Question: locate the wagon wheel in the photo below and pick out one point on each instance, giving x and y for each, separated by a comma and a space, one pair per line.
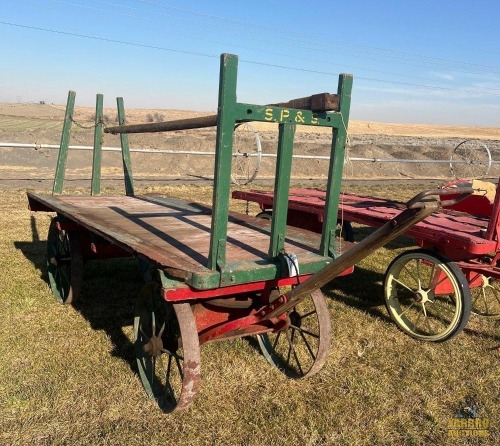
265, 215
427, 295
300, 350
470, 159
64, 263
345, 230
167, 349
247, 153
486, 298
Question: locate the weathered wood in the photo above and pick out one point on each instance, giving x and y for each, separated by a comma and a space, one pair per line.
317, 102
171, 233
169, 126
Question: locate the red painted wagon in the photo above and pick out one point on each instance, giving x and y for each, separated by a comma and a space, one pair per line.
450, 240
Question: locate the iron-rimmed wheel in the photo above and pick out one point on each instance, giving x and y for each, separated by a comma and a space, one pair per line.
64, 263
486, 297
166, 348
301, 349
265, 215
427, 295
346, 231
344, 228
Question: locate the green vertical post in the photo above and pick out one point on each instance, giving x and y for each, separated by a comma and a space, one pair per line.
223, 157
57, 187
98, 131
281, 188
127, 162
335, 169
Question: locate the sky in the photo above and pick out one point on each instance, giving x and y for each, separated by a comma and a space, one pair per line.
413, 61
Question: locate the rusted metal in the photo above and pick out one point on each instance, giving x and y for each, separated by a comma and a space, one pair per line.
192, 366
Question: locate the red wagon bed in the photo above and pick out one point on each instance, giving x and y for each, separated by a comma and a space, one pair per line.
458, 234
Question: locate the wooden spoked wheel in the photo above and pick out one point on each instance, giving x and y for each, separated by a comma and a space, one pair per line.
167, 349
300, 350
427, 296
486, 298
64, 263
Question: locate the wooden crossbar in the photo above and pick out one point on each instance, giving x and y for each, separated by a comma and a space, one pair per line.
318, 102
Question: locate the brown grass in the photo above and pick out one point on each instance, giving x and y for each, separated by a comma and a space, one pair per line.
68, 374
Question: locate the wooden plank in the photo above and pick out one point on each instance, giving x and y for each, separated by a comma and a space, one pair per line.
317, 102
169, 236
445, 228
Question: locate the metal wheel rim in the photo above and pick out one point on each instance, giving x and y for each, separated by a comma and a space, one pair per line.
465, 154
172, 377
437, 319
64, 264
295, 351
242, 174
485, 299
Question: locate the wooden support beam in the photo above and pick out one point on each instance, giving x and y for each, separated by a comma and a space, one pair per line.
317, 102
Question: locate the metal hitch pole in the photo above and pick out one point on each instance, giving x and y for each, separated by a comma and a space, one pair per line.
417, 210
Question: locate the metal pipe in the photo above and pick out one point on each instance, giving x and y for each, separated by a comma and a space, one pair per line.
268, 155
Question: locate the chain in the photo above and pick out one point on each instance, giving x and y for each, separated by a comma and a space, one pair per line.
86, 127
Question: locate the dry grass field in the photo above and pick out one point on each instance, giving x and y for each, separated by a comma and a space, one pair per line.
68, 374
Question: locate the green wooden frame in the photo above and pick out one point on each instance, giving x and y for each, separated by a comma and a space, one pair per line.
230, 113
221, 271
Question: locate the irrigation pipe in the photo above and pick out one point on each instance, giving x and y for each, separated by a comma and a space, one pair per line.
268, 155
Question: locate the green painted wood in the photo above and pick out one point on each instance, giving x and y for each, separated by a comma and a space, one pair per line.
223, 158
281, 189
98, 132
335, 168
245, 272
57, 187
126, 160
267, 113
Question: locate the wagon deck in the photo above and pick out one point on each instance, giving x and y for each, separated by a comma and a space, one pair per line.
175, 235
457, 233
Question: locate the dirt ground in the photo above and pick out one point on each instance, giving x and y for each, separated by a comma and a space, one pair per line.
417, 144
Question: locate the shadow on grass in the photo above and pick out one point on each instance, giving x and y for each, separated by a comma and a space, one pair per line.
363, 290
108, 295
403, 241
35, 251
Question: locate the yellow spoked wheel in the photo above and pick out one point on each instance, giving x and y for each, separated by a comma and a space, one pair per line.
427, 295
486, 298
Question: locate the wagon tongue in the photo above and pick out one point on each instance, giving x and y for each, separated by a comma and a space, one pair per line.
417, 210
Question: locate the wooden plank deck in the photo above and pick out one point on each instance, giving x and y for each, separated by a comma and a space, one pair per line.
453, 230
172, 233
